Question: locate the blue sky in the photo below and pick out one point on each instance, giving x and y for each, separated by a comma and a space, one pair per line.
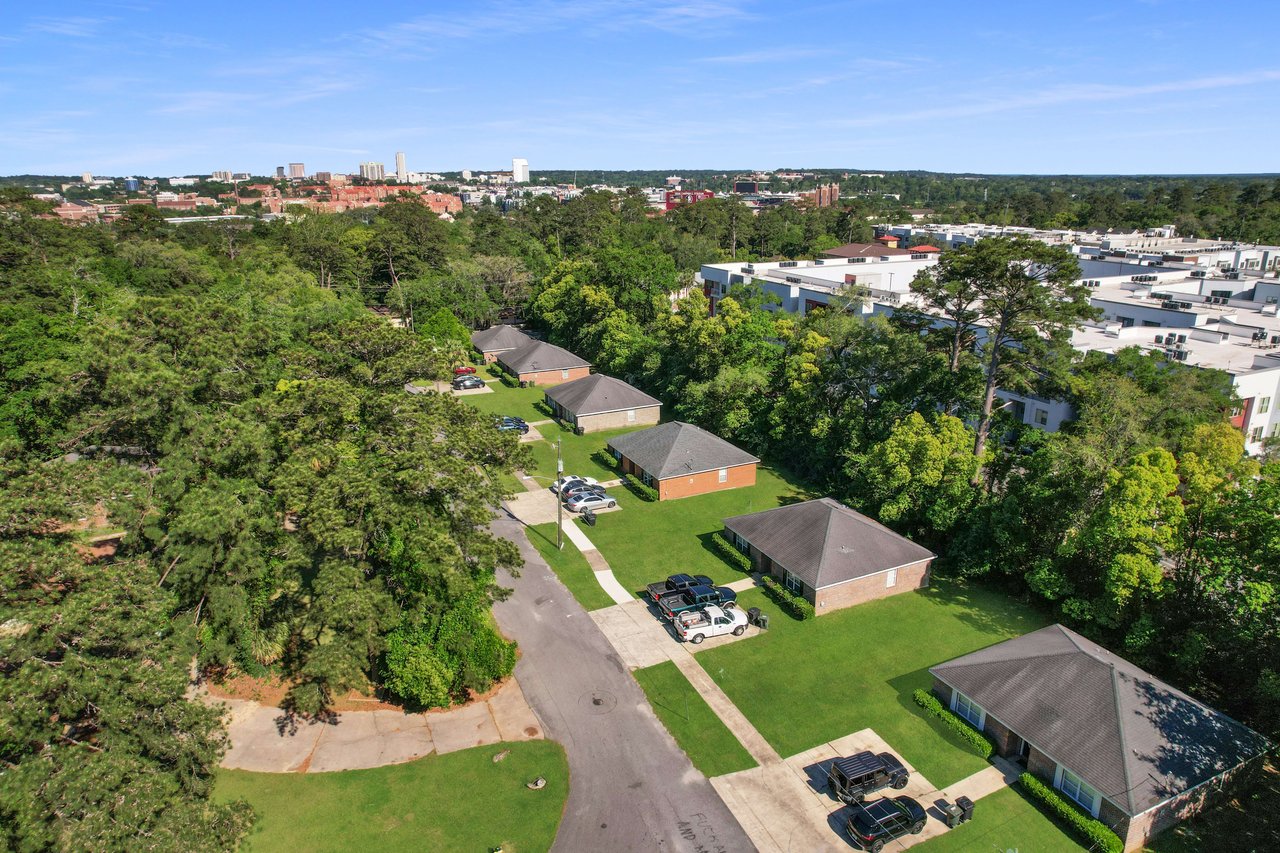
184, 86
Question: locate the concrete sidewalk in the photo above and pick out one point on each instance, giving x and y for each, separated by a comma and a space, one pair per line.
262, 740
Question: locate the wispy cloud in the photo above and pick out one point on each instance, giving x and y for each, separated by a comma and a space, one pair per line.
1077, 93
759, 56
72, 27
223, 101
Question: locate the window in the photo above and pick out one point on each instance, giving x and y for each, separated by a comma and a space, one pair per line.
792, 583
1151, 323
564, 374
1075, 788
723, 476
1255, 434
1042, 417
1125, 322
1264, 405
967, 708
891, 578
631, 416
645, 478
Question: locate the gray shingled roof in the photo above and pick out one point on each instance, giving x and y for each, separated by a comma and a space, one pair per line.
823, 542
540, 355
678, 449
1134, 738
597, 394
499, 339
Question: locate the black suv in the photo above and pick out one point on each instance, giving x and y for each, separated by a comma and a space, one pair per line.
850, 779
874, 824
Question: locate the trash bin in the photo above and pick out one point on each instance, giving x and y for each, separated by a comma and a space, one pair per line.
589, 517
763, 621
966, 808
952, 815
579, 431
753, 615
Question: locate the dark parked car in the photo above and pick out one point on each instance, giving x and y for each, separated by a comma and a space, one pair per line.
874, 824
695, 597
568, 493
512, 425
466, 383
464, 370
850, 779
676, 583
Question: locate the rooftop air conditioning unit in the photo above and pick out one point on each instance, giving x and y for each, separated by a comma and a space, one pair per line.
1159, 339
789, 264
1199, 274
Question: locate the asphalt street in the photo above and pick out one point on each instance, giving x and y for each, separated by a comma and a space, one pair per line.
632, 788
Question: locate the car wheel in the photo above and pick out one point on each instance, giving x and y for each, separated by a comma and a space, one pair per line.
740, 630
917, 827
729, 605
696, 639
899, 782
612, 504
877, 845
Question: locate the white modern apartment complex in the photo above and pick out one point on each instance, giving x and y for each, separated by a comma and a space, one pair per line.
373, 171
519, 170
1202, 316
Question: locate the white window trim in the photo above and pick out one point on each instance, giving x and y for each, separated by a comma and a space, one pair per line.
789, 576
722, 476
1093, 807
891, 578
956, 695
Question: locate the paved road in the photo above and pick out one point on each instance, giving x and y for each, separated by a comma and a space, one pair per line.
632, 788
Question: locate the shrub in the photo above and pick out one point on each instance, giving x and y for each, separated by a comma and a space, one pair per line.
639, 489
957, 724
794, 605
732, 555
1089, 830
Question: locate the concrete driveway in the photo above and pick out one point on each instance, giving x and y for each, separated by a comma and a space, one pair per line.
633, 788
643, 638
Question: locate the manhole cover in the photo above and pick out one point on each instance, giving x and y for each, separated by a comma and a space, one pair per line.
598, 701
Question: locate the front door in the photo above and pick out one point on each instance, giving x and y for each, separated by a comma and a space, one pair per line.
1024, 751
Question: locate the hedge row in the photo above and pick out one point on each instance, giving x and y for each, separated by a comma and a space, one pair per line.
957, 724
732, 555
790, 602
1092, 832
639, 489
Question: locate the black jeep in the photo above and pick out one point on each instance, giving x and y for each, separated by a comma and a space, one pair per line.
874, 824
850, 779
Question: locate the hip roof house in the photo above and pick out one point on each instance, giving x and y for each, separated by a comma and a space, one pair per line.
681, 460
828, 553
1131, 750
598, 402
541, 363
494, 340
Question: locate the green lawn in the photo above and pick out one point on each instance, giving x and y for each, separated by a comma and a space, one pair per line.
708, 742
459, 801
570, 566
584, 455
1005, 820
648, 541
517, 402
804, 683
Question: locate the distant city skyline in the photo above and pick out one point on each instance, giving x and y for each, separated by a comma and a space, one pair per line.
142, 87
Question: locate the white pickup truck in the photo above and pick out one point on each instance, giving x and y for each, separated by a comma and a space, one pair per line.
694, 626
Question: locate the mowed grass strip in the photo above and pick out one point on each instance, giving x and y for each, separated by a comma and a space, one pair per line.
704, 738
649, 540
459, 801
584, 455
1005, 820
805, 683
570, 566
511, 401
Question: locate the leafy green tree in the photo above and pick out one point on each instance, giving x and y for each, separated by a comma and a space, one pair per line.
918, 480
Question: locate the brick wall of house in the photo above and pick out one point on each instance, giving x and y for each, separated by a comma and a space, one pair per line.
1142, 828
942, 691
840, 596
647, 416
1041, 765
707, 481
554, 377
1001, 737
490, 357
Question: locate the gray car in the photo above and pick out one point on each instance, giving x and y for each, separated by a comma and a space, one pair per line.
590, 500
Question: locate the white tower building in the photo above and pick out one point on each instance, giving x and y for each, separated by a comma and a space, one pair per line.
402, 171
520, 170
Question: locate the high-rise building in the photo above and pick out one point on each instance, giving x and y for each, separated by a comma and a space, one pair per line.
131, 185
373, 171
221, 176
466, 174
86, 178
280, 172
519, 170
402, 171
297, 171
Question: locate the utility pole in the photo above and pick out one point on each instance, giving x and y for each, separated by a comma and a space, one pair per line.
559, 497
